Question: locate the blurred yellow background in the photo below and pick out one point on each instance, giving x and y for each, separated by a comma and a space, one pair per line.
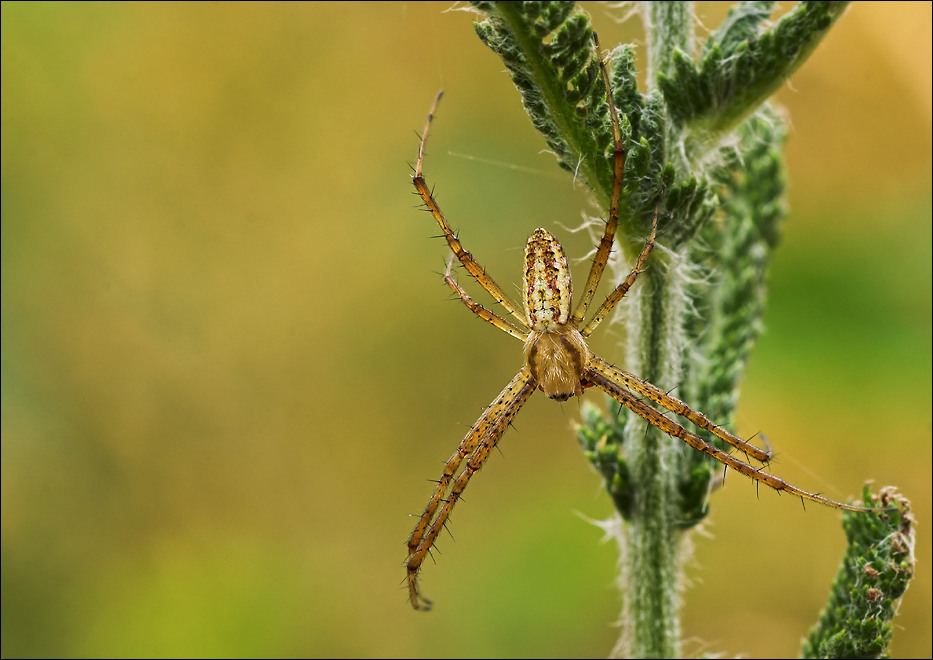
230, 368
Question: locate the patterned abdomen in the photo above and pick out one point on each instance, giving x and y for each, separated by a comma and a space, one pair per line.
546, 283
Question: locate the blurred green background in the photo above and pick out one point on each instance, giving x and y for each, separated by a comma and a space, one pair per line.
230, 368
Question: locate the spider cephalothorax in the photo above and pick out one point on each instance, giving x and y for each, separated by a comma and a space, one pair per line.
557, 360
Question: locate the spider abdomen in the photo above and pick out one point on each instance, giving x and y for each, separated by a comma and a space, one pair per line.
546, 279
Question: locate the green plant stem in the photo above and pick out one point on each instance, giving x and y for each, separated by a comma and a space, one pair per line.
650, 571
670, 25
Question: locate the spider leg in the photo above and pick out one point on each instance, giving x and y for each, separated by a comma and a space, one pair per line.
675, 405
674, 429
465, 257
601, 257
479, 310
623, 288
467, 445
477, 444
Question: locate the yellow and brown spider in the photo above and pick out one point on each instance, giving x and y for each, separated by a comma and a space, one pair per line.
557, 360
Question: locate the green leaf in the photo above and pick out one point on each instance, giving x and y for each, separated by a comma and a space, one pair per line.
742, 64
873, 575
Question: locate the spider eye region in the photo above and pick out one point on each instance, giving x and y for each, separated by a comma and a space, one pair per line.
546, 286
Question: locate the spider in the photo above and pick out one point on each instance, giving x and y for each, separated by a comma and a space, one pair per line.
557, 360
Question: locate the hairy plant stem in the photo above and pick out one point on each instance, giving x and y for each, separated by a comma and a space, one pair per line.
649, 568
670, 26
650, 564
